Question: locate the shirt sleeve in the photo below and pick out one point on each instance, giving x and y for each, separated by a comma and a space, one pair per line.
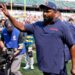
29, 27
72, 28
68, 37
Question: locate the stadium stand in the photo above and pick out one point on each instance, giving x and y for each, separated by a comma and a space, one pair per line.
61, 4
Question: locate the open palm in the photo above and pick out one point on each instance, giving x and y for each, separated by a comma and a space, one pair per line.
4, 9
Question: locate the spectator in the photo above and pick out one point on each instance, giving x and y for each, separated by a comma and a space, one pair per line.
13, 41
29, 40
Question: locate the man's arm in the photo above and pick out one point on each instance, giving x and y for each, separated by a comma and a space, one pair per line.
17, 24
72, 50
20, 42
70, 41
2, 43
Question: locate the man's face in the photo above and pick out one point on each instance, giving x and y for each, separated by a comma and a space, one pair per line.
48, 15
9, 28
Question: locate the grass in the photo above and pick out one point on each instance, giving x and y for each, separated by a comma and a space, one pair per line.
36, 71
68, 68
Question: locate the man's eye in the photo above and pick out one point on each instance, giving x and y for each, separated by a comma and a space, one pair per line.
45, 11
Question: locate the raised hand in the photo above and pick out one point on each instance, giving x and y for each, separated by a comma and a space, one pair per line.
3, 8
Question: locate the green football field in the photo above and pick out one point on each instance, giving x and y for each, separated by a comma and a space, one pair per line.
36, 71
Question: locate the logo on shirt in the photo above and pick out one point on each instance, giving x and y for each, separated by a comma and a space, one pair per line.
5, 33
55, 29
14, 37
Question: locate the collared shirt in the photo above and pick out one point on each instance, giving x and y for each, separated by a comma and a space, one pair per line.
50, 40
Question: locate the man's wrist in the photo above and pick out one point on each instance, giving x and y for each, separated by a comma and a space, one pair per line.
4, 48
8, 16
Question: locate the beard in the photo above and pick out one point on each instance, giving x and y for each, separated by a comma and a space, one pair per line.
48, 20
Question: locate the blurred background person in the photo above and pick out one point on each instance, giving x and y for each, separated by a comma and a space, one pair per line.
13, 41
29, 59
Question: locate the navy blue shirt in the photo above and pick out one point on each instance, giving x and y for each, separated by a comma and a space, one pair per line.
50, 40
72, 28
66, 50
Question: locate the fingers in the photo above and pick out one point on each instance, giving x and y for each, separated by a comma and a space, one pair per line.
3, 6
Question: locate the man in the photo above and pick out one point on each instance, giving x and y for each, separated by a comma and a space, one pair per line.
13, 41
50, 36
29, 59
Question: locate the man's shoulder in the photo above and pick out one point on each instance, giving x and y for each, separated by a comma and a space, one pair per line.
3, 30
59, 22
38, 23
16, 30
